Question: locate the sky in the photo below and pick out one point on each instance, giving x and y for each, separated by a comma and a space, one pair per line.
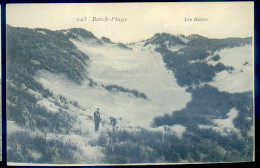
140, 20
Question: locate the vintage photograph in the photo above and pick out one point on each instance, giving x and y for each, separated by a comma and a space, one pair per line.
130, 83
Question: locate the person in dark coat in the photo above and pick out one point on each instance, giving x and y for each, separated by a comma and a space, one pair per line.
97, 119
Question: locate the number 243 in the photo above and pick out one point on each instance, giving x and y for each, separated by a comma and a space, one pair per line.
82, 19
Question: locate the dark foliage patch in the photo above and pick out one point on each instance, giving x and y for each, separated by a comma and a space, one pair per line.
29, 51
207, 104
161, 39
116, 88
145, 146
22, 147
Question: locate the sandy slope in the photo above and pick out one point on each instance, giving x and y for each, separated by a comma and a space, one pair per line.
139, 69
241, 79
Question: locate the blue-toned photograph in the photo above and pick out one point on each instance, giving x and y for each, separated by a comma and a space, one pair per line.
130, 83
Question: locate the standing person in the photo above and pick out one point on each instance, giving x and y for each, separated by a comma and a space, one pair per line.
97, 119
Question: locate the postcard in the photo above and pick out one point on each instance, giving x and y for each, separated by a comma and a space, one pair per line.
130, 83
